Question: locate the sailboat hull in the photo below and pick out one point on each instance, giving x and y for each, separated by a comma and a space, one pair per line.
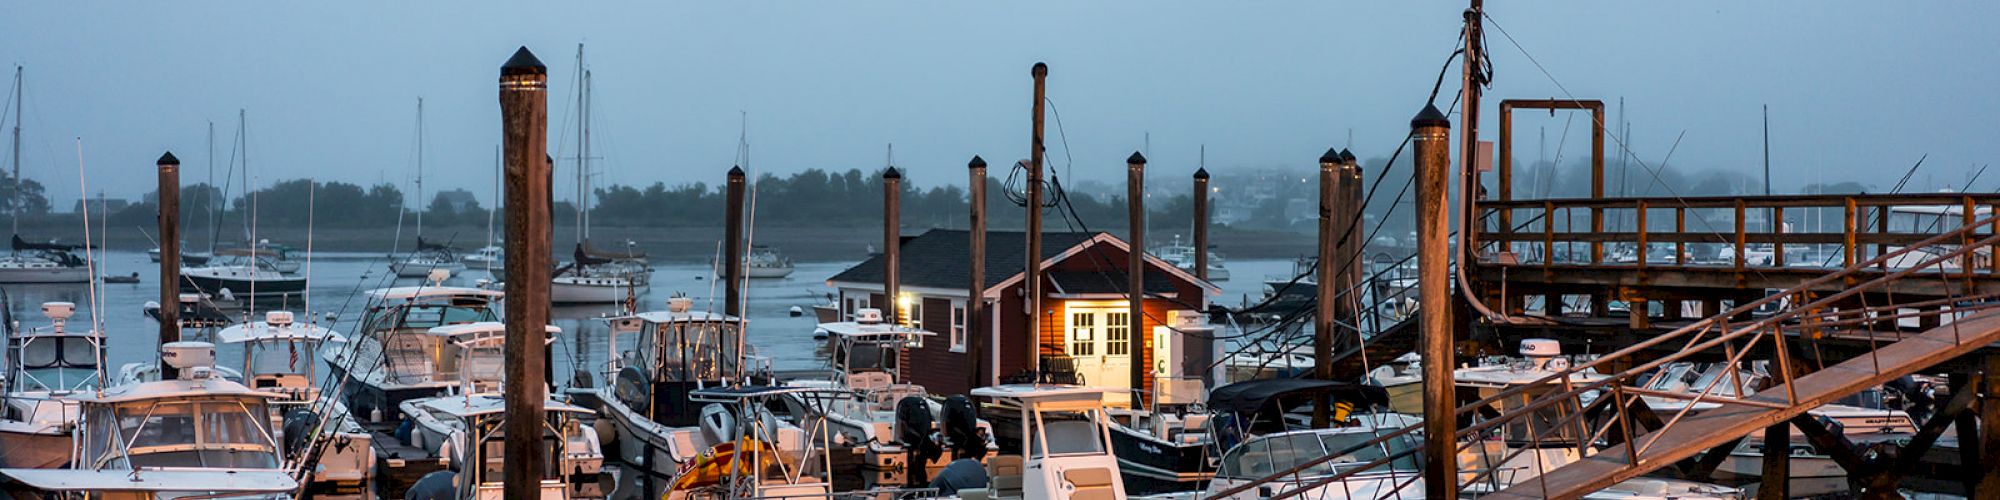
272, 288
422, 269
593, 290
44, 275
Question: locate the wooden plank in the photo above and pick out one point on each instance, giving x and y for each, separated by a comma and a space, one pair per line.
1709, 429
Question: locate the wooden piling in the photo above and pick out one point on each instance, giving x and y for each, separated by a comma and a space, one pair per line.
892, 236
524, 115
1433, 159
1033, 285
170, 259
732, 244
1201, 223
1989, 430
975, 288
1775, 482
1135, 274
1324, 275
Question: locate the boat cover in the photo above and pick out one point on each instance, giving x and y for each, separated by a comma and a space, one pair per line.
1254, 396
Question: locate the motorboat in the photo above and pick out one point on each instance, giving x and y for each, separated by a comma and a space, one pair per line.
1354, 444
244, 273
488, 258
1182, 454
1182, 256
43, 263
393, 359
763, 262
865, 358
1715, 383
595, 277
646, 410
48, 367
466, 426
1067, 454
761, 444
187, 258
195, 436
428, 257
278, 358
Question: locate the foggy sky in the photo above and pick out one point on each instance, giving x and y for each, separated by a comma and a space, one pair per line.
1857, 90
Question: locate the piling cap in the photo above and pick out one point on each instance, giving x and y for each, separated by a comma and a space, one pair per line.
169, 159
1430, 117
976, 162
1331, 157
1201, 173
1135, 159
891, 173
1040, 69
1346, 156
523, 63
736, 171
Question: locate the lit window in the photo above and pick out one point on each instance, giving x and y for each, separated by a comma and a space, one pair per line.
958, 313
912, 311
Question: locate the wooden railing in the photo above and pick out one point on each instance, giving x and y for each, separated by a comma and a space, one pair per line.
1738, 232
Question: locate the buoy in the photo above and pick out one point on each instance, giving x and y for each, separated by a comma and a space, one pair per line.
798, 311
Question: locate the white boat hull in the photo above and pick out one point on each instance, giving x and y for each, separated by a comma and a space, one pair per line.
768, 272
44, 275
592, 290
407, 269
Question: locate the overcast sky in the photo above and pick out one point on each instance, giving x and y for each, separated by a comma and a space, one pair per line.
1857, 90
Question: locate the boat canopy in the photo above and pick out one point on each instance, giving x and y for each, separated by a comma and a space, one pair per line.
249, 332
23, 245
405, 293
1268, 399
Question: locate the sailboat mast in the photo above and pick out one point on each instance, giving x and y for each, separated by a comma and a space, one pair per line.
211, 185
580, 107
420, 168
15, 212
243, 148
584, 200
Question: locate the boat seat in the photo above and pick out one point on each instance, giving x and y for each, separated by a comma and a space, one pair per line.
681, 443
868, 381
1004, 472
1092, 483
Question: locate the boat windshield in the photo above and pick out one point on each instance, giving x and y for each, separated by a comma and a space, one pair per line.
1265, 456
56, 364
866, 357
217, 433
691, 350
279, 357
428, 316
1067, 433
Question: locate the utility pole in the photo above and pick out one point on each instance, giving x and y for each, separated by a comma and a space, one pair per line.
524, 128
1135, 274
1034, 272
170, 258
975, 301
1432, 137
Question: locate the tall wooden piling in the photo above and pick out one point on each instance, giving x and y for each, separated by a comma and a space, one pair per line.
1353, 242
975, 288
1034, 195
1473, 84
1433, 151
732, 244
1324, 276
892, 242
1135, 274
170, 258
524, 117
1201, 223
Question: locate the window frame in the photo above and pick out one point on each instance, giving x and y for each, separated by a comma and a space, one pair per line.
957, 329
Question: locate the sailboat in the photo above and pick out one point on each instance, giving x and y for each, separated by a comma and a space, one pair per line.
430, 256
255, 272
594, 275
48, 262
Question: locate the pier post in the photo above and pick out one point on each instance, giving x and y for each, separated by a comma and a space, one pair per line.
1033, 281
1351, 244
892, 236
1989, 430
1201, 223
1433, 159
170, 259
1135, 275
732, 244
524, 116
975, 288
1330, 208
1775, 482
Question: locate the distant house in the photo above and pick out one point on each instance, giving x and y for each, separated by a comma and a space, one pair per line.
108, 205
458, 199
1084, 319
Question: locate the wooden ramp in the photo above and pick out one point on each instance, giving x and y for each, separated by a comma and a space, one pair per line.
1713, 428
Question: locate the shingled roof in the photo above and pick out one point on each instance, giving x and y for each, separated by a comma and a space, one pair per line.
937, 258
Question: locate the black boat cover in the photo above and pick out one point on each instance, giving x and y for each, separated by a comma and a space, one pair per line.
20, 245
1254, 396
437, 247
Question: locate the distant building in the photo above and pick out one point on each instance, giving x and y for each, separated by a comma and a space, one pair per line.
108, 205
458, 199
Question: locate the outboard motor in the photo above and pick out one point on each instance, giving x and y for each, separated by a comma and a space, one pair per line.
913, 430
437, 485
961, 428
717, 425
298, 427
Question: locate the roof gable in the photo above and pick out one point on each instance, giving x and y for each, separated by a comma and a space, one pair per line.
938, 259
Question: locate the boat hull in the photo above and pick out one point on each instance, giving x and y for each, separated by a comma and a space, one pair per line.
264, 288
592, 291
44, 275
366, 399
33, 448
405, 269
1150, 465
767, 272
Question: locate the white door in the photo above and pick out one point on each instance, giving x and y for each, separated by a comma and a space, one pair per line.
1099, 340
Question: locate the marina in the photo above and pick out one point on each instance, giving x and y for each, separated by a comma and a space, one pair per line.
639, 322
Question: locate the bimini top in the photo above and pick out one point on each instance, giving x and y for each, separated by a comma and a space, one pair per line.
684, 317
480, 328
169, 389
873, 331
1042, 391
487, 404
425, 292
732, 394
246, 332
176, 480
45, 331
